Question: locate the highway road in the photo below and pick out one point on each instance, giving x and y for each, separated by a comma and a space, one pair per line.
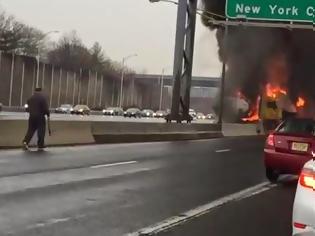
23, 115
117, 190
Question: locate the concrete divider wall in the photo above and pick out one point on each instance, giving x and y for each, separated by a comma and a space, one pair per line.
231, 130
87, 132
63, 133
112, 132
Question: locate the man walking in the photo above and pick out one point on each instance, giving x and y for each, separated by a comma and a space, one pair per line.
38, 109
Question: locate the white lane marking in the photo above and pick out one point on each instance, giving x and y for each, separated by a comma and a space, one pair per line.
51, 222
223, 150
114, 164
199, 211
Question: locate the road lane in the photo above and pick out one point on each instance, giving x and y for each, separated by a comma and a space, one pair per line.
167, 179
269, 213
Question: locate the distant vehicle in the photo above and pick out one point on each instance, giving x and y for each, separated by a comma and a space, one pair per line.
160, 114
200, 116
180, 118
303, 210
193, 113
81, 110
133, 112
212, 118
1, 106
289, 147
64, 109
26, 107
147, 113
113, 111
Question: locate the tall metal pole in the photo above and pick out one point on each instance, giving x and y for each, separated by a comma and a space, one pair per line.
88, 89
178, 56
101, 91
79, 86
52, 85
67, 85
95, 90
38, 54
189, 55
222, 92
59, 89
22, 85
34, 77
161, 92
74, 87
43, 78
0, 60
11, 79
38, 65
122, 83
113, 94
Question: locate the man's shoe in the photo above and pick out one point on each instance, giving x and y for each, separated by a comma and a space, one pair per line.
25, 146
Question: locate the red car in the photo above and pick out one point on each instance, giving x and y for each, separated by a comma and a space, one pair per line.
289, 147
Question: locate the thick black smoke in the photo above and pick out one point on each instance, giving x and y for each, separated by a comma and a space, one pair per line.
248, 52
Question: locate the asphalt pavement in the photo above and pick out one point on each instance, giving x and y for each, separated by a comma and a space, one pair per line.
119, 189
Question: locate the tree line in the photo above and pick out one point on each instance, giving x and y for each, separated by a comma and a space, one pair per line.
69, 52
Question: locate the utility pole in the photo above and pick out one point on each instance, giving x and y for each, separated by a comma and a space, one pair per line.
183, 55
161, 91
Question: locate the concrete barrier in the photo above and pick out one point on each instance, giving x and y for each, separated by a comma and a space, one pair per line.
230, 130
63, 133
114, 132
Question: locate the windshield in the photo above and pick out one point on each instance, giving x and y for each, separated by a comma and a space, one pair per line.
66, 106
80, 107
297, 126
132, 110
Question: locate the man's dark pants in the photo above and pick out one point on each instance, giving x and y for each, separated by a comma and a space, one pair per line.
36, 124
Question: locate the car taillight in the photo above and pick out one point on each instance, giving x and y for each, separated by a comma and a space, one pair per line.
307, 179
270, 140
299, 225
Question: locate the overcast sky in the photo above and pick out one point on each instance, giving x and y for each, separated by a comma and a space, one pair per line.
122, 27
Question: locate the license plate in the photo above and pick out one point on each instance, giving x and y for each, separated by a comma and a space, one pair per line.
300, 147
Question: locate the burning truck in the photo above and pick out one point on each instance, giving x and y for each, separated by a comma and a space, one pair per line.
273, 68
272, 106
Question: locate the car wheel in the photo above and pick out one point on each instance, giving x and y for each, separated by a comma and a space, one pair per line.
272, 175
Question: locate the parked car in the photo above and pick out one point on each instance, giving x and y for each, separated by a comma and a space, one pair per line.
81, 110
193, 113
64, 109
304, 207
133, 112
200, 116
160, 114
210, 117
1, 106
147, 113
289, 147
113, 111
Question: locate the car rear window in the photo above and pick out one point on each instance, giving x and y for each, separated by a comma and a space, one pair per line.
297, 126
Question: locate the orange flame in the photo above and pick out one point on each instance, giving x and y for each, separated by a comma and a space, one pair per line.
300, 102
274, 91
253, 114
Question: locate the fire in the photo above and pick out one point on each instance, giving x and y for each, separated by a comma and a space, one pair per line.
274, 91
253, 114
300, 102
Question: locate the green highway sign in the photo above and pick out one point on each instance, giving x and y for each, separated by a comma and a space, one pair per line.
274, 10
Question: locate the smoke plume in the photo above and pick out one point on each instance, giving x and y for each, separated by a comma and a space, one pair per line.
256, 56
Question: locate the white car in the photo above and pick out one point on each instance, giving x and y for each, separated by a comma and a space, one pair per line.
304, 204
